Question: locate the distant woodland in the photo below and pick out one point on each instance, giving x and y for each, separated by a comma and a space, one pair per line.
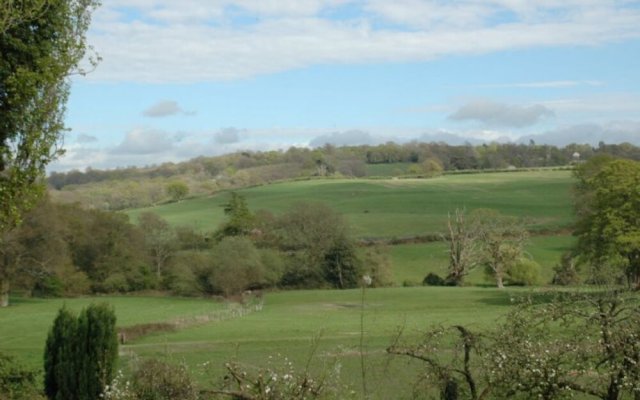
130, 187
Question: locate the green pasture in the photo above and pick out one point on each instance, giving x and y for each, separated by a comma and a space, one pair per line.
412, 262
286, 326
398, 207
24, 325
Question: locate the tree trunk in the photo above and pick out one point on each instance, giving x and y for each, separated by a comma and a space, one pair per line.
499, 281
4, 292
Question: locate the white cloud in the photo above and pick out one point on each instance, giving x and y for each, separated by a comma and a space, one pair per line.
491, 113
197, 40
143, 141
591, 133
84, 138
228, 135
346, 138
163, 108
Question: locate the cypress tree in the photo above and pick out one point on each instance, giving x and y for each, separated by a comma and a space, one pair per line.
97, 346
59, 372
80, 354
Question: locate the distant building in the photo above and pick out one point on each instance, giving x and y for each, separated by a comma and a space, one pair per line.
576, 156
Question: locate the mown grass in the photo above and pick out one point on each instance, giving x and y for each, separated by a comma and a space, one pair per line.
287, 325
24, 325
401, 207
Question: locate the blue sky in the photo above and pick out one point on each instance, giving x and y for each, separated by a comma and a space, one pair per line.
205, 77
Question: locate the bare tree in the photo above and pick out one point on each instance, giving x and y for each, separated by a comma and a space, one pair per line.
463, 247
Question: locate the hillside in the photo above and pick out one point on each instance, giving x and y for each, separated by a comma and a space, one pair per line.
389, 208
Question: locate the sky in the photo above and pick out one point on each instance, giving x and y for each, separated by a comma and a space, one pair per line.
188, 78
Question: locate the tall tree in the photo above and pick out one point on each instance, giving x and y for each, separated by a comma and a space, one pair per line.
609, 220
159, 238
241, 220
501, 239
39, 48
463, 248
80, 354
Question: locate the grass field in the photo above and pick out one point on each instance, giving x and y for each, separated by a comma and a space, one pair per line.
412, 262
286, 325
398, 208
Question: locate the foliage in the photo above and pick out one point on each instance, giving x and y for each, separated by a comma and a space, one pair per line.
160, 240
524, 272
39, 48
575, 345
60, 359
157, 380
432, 167
341, 266
177, 190
433, 280
609, 217
80, 353
308, 233
376, 263
566, 272
16, 381
237, 267
501, 240
241, 220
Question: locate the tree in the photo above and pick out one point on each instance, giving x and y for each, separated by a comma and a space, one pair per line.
159, 238
177, 190
241, 220
463, 248
60, 376
501, 239
342, 268
608, 228
80, 354
39, 48
307, 233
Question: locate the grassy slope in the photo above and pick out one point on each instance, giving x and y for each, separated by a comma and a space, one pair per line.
387, 208
24, 325
286, 325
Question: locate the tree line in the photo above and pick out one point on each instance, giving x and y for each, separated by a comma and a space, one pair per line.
65, 250
136, 187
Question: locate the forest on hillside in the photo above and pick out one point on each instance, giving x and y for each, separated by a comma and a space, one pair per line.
132, 187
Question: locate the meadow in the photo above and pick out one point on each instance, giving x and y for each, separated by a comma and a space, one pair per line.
403, 208
286, 326
388, 208
322, 328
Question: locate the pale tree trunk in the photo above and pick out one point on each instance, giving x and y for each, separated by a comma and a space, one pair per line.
499, 281
4, 292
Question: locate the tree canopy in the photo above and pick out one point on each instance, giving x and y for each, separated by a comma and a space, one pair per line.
609, 217
41, 42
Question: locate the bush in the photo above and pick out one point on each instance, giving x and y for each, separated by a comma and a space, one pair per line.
525, 272
158, 380
16, 381
566, 273
410, 283
433, 280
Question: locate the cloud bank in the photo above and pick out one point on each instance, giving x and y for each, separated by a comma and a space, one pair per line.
495, 114
149, 40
